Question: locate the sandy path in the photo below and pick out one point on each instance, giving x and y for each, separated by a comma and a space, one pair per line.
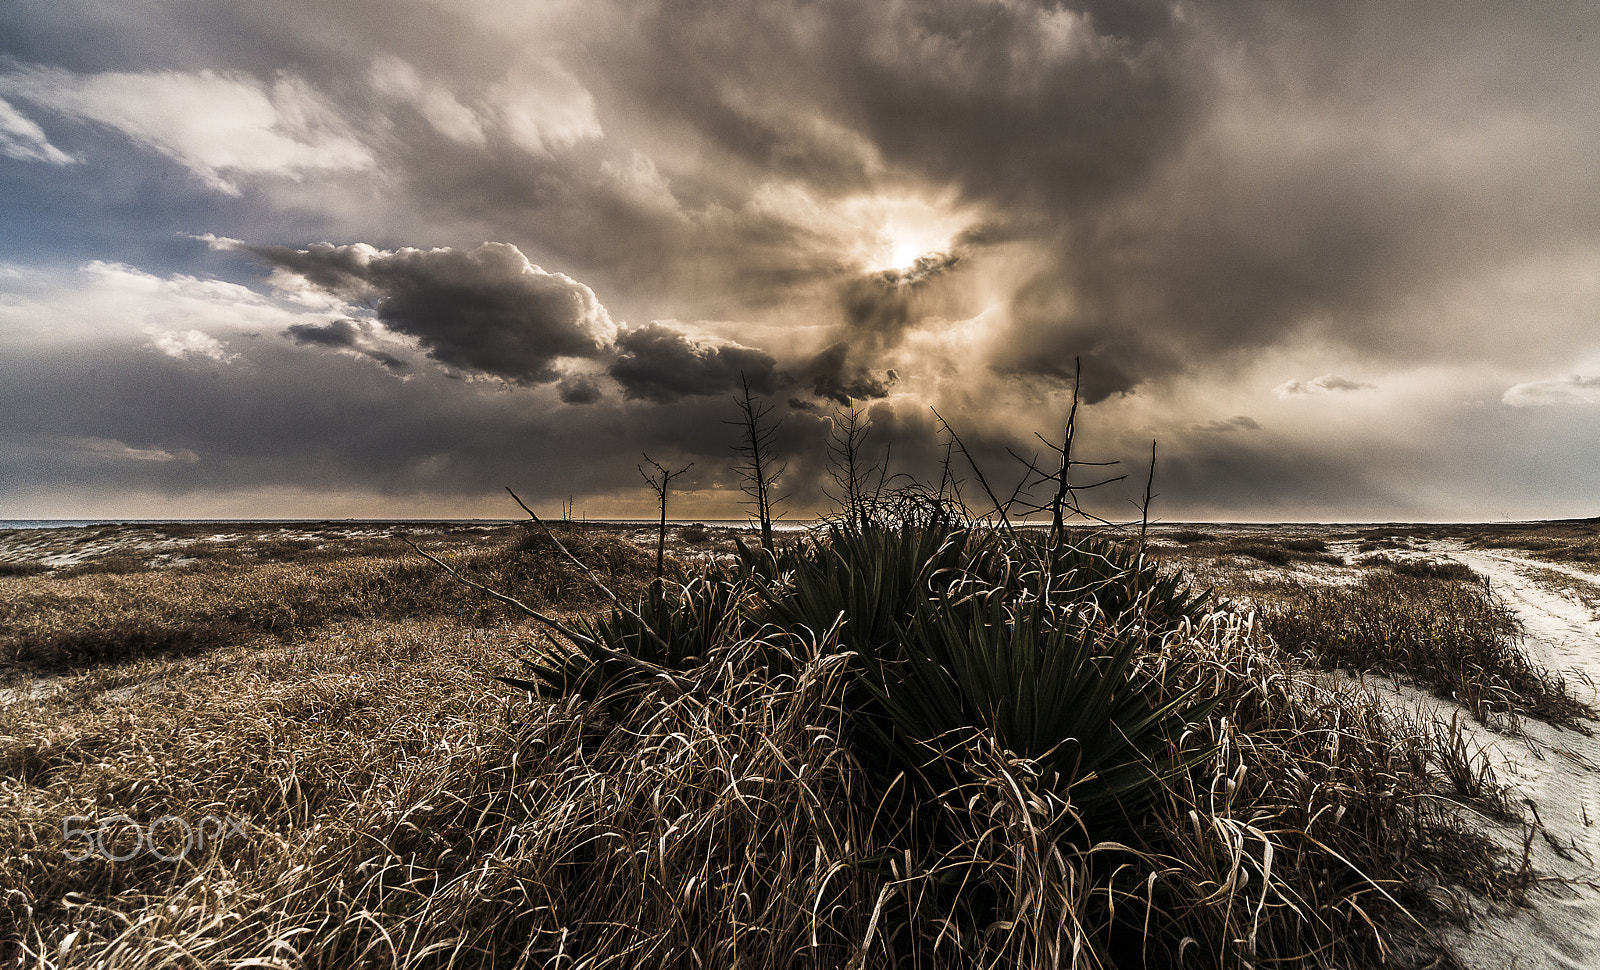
1556, 771
1563, 630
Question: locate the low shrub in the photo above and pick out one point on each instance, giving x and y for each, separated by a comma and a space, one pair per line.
1034, 755
1447, 569
1450, 636
1272, 555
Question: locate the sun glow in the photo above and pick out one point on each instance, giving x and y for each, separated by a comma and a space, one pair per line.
910, 228
904, 244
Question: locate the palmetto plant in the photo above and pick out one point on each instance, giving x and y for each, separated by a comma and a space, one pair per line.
867, 581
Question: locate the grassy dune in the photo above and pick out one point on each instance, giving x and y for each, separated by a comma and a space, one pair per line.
812, 794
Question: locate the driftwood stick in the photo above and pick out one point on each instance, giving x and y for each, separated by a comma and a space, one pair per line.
574, 559
645, 668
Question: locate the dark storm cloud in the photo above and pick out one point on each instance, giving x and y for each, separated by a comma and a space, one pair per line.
131, 419
838, 376
1203, 180
579, 390
1338, 184
1160, 189
659, 363
488, 310
1008, 101
338, 333
351, 335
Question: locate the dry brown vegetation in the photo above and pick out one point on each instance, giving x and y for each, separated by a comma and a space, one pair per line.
399, 809
117, 607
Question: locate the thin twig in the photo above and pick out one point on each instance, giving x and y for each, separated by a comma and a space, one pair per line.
644, 667
1005, 520
1144, 510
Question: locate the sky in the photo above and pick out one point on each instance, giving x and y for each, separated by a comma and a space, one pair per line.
384, 258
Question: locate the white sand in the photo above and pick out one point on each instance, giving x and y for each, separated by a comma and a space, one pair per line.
1557, 771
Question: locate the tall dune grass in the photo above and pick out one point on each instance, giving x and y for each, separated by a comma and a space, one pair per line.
792, 808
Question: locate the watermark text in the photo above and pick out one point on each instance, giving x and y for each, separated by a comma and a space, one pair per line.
120, 838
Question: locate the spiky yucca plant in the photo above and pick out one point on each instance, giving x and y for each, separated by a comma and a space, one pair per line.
1061, 695
1031, 646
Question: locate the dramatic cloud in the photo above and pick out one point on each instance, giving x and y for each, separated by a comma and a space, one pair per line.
1575, 389
881, 306
659, 363
489, 311
909, 204
216, 125
834, 375
338, 333
579, 391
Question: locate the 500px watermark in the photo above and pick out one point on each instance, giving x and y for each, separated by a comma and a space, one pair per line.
168, 838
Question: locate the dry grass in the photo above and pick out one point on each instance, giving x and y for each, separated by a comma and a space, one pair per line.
1448, 569
1280, 551
111, 609
1576, 543
396, 812
399, 810
1323, 830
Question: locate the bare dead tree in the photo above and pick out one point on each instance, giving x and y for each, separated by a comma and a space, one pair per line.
856, 480
1144, 510
1064, 501
757, 467
659, 483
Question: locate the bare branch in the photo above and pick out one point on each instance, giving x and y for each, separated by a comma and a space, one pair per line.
1005, 520
649, 670
1144, 510
659, 483
591, 574
758, 470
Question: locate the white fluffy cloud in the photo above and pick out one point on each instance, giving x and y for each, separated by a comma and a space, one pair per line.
189, 344
1320, 385
1570, 390
111, 448
21, 138
220, 126
398, 80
